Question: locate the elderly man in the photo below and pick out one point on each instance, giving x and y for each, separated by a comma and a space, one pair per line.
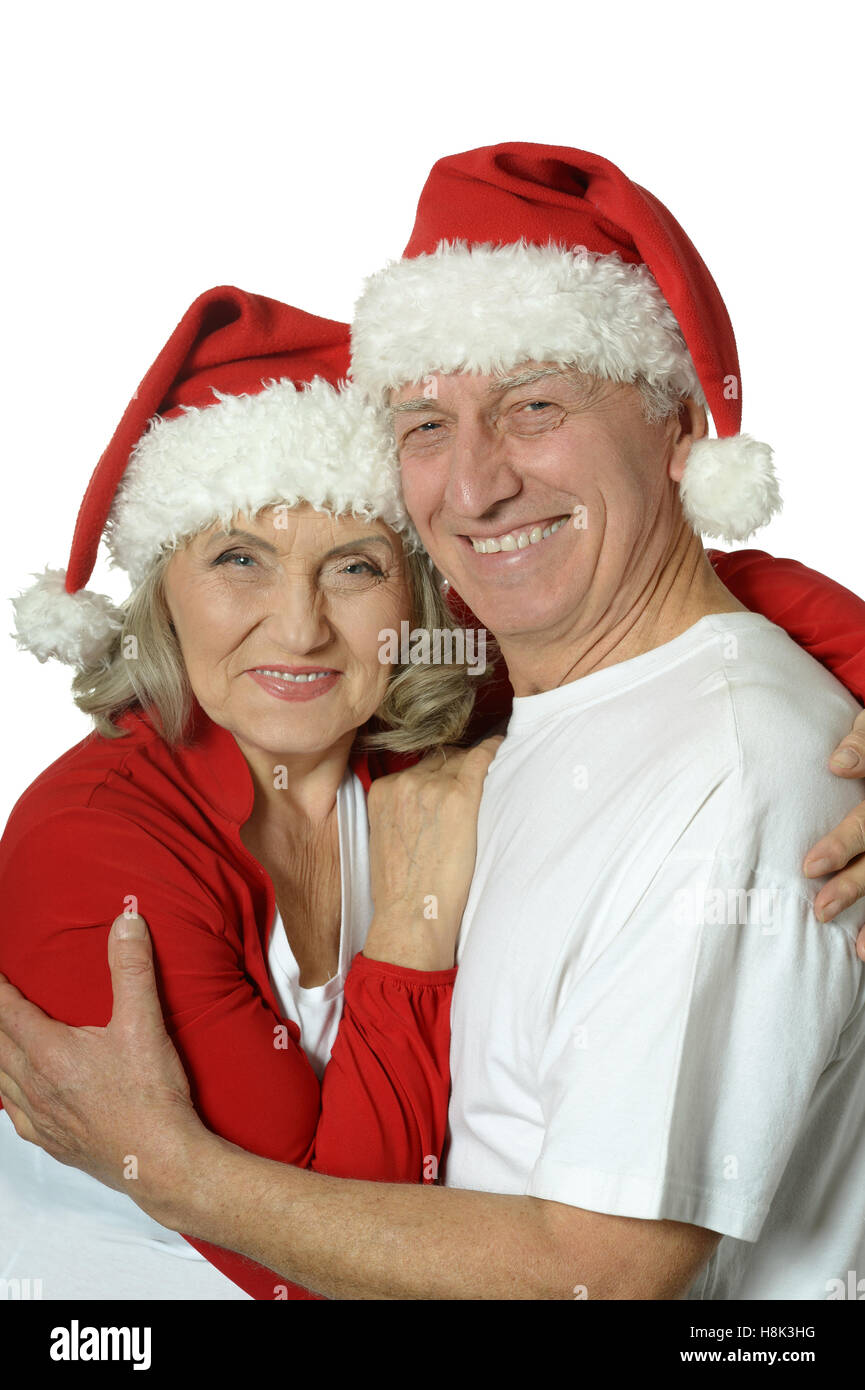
659, 1061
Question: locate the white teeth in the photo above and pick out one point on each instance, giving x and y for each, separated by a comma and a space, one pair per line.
516, 540
287, 676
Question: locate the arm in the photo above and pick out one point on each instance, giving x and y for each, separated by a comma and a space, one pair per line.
366, 1241
345, 1239
382, 1110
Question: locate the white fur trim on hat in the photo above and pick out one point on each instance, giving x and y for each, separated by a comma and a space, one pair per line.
729, 488
487, 308
78, 629
283, 445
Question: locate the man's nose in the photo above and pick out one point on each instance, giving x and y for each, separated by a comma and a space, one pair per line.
480, 473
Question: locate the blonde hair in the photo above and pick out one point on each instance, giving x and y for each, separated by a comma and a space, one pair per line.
424, 706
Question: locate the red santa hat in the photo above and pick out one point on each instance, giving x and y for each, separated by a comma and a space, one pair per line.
245, 407
525, 252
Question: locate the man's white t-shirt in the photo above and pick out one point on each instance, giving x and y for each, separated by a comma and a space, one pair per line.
64, 1233
648, 1019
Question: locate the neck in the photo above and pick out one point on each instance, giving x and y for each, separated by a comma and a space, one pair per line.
654, 604
293, 789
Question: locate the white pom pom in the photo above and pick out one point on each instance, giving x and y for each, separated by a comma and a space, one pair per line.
77, 629
729, 488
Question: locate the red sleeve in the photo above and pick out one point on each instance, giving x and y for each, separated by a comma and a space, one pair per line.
382, 1109
822, 616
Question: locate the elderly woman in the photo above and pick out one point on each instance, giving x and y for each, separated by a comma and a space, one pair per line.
224, 792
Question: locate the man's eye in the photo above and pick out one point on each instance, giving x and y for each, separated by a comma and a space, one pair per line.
424, 431
533, 417
428, 427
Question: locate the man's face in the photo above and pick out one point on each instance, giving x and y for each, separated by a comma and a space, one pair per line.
564, 474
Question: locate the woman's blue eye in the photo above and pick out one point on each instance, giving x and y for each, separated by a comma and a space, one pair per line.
234, 555
362, 565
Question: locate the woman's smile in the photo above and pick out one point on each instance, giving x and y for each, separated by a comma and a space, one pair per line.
294, 682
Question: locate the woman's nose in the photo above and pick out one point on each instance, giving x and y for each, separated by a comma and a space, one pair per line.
296, 616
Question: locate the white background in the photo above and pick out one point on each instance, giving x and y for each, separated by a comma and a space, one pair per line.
157, 149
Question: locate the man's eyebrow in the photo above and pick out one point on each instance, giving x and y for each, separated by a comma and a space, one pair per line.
508, 383
418, 403
501, 383
496, 387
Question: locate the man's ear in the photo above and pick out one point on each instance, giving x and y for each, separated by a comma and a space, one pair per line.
691, 424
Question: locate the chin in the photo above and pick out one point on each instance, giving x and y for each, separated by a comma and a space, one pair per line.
509, 611
295, 730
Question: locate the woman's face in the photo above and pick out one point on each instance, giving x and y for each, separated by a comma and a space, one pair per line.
278, 620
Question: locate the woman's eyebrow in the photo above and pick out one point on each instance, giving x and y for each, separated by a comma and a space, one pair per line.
235, 534
358, 544
219, 537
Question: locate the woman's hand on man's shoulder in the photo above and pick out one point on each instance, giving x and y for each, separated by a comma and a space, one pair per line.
423, 840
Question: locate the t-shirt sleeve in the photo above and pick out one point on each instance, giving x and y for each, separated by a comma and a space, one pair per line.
682, 1061
382, 1109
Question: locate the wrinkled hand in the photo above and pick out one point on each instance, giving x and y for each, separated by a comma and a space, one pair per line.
423, 841
844, 847
112, 1101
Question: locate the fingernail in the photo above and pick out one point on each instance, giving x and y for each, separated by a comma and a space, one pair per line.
830, 910
845, 757
129, 928
818, 866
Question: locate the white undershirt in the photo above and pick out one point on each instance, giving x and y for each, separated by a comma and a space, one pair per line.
84, 1240
317, 1011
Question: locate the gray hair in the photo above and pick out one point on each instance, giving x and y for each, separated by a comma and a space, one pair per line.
659, 401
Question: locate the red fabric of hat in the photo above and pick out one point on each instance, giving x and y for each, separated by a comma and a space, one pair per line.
502, 194
230, 341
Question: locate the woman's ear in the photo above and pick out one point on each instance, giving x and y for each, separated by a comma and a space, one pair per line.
691, 424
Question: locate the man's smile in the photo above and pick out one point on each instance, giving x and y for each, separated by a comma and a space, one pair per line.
519, 538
